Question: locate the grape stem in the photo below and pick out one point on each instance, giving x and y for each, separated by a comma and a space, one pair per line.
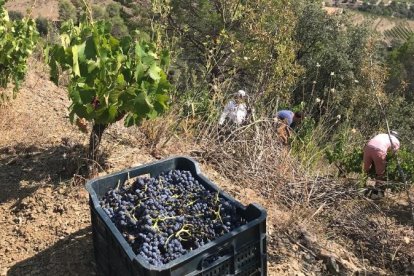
138, 204
178, 234
160, 182
155, 225
131, 216
191, 203
217, 213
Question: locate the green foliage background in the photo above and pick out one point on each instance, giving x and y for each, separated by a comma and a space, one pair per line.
17, 41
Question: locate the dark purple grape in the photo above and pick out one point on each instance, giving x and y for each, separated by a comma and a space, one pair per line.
164, 217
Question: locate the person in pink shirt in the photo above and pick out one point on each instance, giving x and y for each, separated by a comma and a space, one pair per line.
375, 152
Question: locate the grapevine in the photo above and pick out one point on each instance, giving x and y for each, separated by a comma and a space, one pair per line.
350, 161
164, 217
110, 78
17, 41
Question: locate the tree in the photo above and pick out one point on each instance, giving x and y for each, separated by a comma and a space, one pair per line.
240, 44
401, 64
333, 52
119, 29
110, 78
400, 86
112, 14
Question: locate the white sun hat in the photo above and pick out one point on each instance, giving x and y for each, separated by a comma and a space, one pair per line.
394, 133
241, 93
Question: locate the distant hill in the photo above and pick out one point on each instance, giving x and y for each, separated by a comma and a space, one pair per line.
389, 27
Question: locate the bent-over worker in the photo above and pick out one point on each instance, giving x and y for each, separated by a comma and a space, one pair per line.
375, 152
290, 117
285, 119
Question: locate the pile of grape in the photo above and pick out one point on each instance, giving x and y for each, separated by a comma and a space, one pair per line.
165, 217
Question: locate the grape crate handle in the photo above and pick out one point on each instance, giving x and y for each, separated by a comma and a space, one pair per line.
224, 252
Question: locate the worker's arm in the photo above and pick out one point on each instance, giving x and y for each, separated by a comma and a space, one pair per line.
395, 144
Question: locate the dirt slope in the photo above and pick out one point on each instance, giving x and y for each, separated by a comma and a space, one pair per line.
43, 8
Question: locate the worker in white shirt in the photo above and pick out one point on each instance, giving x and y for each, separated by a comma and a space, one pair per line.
236, 111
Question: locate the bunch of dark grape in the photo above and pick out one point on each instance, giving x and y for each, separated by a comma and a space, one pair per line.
165, 217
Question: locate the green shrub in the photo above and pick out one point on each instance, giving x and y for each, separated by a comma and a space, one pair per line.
113, 10
42, 25
15, 15
119, 29
17, 42
406, 158
98, 12
67, 10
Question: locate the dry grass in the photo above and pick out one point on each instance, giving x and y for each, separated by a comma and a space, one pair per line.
249, 154
377, 235
380, 236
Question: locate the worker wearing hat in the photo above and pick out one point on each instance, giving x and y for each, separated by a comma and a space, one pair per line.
236, 110
375, 152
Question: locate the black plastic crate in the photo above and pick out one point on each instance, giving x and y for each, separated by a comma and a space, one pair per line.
239, 252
